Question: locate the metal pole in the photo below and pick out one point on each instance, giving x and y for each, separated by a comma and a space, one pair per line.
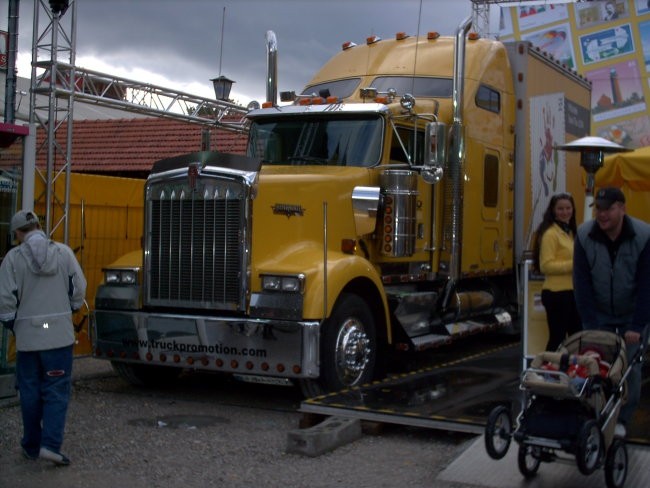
70, 115
12, 50
51, 125
29, 169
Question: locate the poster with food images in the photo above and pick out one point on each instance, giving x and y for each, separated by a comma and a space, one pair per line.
555, 41
609, 41
631, 133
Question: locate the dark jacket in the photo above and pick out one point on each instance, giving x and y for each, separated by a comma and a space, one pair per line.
613, 289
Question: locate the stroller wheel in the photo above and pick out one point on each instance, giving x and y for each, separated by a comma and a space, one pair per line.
498, 432
616, 464
528, 460
589, 447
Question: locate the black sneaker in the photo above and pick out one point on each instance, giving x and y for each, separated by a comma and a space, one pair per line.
56, 457
27, 455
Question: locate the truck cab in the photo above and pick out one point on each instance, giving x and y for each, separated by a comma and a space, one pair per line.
376, 213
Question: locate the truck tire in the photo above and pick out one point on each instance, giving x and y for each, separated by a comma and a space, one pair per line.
145, 375
348, 353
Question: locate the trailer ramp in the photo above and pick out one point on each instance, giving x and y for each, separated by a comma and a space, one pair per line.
457, 395
474, 467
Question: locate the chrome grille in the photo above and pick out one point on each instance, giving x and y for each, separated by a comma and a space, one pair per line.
196, 243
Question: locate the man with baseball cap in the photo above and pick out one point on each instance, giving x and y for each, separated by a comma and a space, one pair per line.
606, 197
41, 283
611, 280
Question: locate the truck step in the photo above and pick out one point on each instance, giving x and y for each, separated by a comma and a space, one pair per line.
451, 332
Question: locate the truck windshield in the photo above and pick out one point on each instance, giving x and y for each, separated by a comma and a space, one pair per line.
339, 88
331, 141
418, 86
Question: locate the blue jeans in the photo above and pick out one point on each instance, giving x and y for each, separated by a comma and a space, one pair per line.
44, 383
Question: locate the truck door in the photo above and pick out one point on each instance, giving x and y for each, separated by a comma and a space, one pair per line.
490, 239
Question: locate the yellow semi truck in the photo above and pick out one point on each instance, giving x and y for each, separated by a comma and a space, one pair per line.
387, 209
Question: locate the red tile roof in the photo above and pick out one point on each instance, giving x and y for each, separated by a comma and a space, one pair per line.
131, 146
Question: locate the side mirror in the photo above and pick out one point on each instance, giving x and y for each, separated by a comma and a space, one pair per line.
435, 151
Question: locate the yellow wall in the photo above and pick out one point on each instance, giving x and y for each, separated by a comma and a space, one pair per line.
111, 221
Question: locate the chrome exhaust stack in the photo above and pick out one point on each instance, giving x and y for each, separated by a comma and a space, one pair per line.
453, 186
271, 68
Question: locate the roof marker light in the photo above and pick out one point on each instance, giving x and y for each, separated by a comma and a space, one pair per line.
400, 36
372, 39
267, 104
433, 35
347, 45
473, 36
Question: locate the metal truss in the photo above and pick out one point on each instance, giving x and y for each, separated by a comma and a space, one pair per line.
133, 96
59, 83
53, 39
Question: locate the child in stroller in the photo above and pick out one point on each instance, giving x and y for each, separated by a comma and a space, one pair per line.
570, 405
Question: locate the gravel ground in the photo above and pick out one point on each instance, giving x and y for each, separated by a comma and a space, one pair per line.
220, 434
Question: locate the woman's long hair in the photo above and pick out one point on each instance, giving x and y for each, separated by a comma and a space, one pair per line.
549, 219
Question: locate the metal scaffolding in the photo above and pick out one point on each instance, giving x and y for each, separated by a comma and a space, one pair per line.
52, 39
481, 13
56, 83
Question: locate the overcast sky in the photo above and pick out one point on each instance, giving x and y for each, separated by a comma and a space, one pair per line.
177, 43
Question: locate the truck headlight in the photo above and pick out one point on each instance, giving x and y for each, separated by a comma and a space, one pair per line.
283, 283
121, 276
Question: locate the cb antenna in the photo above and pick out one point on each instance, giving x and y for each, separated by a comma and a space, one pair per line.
223, 21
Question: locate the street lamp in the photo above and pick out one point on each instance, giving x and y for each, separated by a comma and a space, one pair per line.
222, 86
59, 6
592, 156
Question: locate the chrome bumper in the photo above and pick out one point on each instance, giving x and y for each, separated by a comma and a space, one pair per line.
274, 348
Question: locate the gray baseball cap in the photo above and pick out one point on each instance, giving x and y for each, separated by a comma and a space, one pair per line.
23, 218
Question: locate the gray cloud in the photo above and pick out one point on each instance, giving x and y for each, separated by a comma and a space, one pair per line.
181, 39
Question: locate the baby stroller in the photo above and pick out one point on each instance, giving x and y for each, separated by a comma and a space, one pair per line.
570, 405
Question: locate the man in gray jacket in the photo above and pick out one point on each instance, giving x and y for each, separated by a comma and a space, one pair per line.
41, 283
611, 281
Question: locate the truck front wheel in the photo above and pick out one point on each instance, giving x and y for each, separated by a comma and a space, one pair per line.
348, 353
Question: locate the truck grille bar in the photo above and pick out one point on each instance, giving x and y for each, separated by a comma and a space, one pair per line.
196, 246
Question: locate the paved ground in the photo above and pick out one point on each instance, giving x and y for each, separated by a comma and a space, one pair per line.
209, 430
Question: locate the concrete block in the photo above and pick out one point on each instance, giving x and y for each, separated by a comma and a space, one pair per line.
326, 436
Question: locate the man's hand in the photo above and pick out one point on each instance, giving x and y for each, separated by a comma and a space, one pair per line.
632, 337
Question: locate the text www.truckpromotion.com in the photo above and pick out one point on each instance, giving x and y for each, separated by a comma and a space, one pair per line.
173, 346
